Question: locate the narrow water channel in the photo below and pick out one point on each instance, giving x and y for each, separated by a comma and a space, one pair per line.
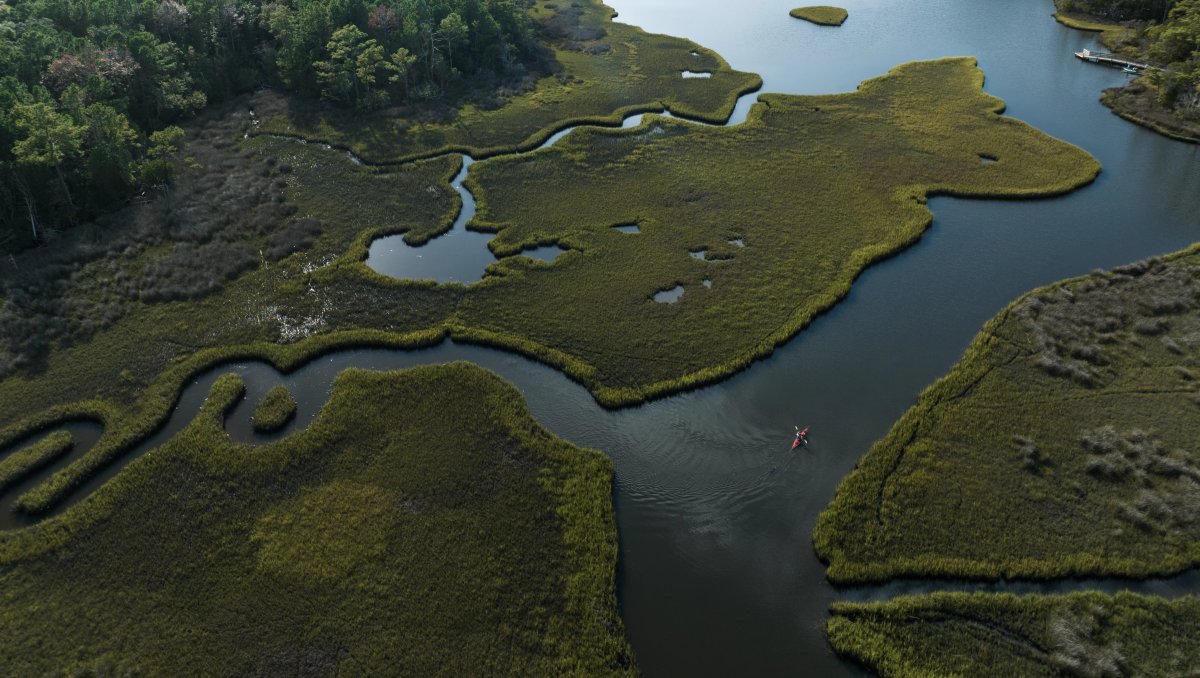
461, 255
717, 574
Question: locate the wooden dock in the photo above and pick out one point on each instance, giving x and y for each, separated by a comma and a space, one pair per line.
1111, 60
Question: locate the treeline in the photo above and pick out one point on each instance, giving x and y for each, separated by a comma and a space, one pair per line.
91, 90
1176, 44
1120, 10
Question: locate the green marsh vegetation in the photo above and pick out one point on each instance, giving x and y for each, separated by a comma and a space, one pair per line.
492, 542
822, 15
1082, 634
116, 301
1064, 443
598, 71
257, 241
816, 188
1113, 35
275, 410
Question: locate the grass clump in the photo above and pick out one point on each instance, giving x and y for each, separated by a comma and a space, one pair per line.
87, 318
816, 188
822, 15
275, 410
1079, 634
601, 71
1091, 381
493, 544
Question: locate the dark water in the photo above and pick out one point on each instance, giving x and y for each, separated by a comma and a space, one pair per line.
717, 573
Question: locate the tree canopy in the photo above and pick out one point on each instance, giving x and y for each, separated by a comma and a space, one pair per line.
1176, 43
85, 86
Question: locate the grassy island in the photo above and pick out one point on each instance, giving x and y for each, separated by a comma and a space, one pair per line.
275, 410
605, 70
356, 546
1000, 635
1063, 444
822, 15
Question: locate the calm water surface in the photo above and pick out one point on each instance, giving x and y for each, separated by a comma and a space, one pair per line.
717, 573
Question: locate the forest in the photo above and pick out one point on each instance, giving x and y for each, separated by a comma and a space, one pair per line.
92, 91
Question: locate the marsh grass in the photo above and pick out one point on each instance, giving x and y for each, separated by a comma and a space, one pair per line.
596, 320
275, 410
985, 634
1115, 36
492, 544
604, 71
1092, 380
822, 15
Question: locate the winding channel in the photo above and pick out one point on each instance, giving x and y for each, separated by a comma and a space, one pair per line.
717, 574
462, 255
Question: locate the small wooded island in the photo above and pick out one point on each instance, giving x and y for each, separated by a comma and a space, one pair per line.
822, 15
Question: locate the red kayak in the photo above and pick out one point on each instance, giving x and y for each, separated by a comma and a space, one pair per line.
801, 437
